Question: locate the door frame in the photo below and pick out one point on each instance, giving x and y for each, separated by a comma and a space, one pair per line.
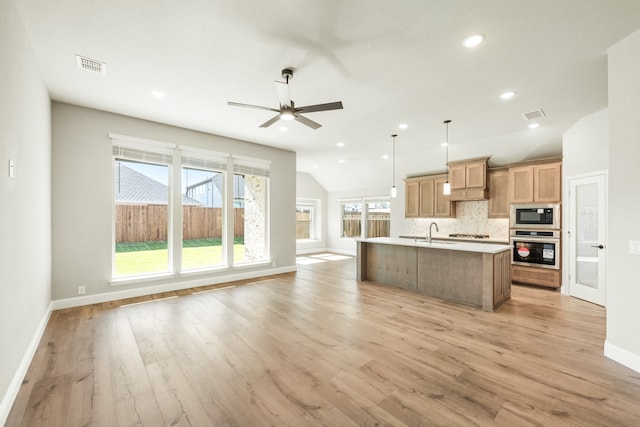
567, 223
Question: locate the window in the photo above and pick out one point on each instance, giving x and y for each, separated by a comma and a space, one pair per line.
377, 212
378, 218
159, 231
251, 182
141, 193
202, 218
351, 218
203, 202
305, 221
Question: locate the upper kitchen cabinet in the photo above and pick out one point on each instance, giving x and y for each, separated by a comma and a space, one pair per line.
468, 179
424, 198
498, 193
533, 183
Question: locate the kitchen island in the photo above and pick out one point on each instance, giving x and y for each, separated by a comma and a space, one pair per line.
478, 274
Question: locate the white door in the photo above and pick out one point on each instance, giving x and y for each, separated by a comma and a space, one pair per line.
587, 208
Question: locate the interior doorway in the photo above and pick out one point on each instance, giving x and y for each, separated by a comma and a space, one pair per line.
587, 237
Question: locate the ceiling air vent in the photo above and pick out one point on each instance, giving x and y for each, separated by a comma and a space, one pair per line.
531, 115
89, 64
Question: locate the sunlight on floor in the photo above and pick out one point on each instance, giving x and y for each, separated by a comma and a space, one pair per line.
319, 258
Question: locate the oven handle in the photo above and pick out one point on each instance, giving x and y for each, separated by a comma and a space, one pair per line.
536, 239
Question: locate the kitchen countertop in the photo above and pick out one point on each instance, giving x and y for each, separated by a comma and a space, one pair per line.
464, 246
457, 239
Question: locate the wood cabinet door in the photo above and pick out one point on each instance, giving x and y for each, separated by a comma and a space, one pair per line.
443, 207
546, 182
458, 177
498, 194
476, 175
521, 184
412, 199
427, 189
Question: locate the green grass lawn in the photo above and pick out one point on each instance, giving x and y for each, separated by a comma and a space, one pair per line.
152, 257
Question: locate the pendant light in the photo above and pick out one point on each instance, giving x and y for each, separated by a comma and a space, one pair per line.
446, 188
394, 190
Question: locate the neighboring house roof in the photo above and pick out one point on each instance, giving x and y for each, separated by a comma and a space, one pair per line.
133, 187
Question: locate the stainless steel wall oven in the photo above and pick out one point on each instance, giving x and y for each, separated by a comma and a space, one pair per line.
535, 248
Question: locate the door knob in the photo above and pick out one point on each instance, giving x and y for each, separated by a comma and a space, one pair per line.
598, 246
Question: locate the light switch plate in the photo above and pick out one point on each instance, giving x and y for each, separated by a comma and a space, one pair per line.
634, 247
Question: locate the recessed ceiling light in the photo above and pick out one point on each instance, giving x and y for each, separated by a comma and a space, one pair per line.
315, 166
473, 41
341, 161
283, 128
158, 94
534, 125
385, 156
508, 94
403, 126
444, 144
340, 144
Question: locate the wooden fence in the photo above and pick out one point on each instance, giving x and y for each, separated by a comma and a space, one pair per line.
303, 225
148, 223
378, 225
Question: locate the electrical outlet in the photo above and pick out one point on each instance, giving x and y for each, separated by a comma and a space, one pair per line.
634, 247
81, 290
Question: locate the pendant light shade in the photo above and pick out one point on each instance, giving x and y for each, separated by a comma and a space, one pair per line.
394, 190
446, 188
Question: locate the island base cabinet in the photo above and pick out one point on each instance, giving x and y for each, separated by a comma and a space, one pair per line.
501, 277
387, 264
450, 275
480, 279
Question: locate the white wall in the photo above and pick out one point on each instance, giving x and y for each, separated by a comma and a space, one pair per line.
25, 204
82, 189
623, 278
307, 188
585, 149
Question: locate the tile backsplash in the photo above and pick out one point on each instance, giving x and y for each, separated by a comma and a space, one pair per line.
471, 218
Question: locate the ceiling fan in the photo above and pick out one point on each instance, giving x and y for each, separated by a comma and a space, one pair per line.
288, 110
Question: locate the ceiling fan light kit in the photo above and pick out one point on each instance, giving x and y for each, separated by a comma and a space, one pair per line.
287, 109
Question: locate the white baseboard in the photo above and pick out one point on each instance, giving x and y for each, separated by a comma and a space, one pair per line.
168, 287
622, 356
21, 372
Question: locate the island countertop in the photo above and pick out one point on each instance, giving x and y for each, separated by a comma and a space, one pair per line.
487, 248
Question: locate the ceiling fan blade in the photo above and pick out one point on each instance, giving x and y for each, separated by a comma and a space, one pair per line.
283, 94
307, 122
320, 107
258, 107
270, 121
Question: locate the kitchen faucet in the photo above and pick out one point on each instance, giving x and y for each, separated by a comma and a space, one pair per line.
429, 235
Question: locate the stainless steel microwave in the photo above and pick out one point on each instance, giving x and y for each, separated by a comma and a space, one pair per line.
535, 216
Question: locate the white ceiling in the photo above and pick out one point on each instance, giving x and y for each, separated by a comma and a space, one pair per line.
387, 61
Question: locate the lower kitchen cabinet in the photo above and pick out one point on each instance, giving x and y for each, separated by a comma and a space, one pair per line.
536, 276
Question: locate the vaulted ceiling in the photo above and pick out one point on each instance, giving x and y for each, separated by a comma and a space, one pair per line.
389, 62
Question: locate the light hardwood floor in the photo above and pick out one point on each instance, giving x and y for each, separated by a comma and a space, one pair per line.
318, 348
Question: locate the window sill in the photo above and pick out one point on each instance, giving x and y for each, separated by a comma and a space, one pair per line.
140, 279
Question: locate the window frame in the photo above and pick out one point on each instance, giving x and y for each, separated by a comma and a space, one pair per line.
173, 156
